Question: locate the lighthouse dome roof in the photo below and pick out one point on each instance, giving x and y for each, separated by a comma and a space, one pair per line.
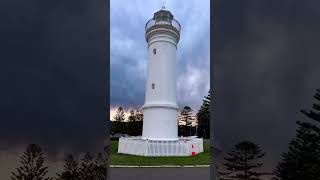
163, 15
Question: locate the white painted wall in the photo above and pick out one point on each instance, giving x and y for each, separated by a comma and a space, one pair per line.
160, 108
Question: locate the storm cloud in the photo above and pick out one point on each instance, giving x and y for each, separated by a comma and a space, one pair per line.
266, 68
53, 75
128, 50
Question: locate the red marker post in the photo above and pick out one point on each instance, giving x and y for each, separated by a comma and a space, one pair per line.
193, 153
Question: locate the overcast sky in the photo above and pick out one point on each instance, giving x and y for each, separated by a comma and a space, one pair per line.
53, 78
266, 68
128, 50
55, 73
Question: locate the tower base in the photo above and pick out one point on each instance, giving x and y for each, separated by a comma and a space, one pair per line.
185, 146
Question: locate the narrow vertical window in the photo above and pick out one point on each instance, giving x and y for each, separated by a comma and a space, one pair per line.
152, 85
154, 51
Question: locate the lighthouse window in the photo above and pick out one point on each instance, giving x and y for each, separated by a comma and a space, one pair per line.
154, 51
152, 85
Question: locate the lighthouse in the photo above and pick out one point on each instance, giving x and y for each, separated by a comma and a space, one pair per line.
160, 109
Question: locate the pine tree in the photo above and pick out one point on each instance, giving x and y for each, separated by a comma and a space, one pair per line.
119, 117
243, 162
139, 115
130, 125
186, 117
70, 171
86, 169
203, 118
138, 122
302, 161
100, 167
32, 165
132, 116
117, 125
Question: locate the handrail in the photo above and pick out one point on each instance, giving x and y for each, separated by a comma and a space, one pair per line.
174, 23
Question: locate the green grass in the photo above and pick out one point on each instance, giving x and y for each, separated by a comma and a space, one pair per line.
132, 160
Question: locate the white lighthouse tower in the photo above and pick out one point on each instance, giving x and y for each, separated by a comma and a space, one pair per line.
160, 110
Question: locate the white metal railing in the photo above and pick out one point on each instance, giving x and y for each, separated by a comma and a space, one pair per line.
173, 22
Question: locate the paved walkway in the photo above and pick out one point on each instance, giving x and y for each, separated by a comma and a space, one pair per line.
160, 173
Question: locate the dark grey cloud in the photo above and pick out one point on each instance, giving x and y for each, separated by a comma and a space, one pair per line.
53, 74
128, 50
266, 69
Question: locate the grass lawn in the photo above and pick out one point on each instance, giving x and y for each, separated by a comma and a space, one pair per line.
132, 160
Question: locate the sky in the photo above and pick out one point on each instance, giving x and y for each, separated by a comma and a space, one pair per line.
53, 78
128, 51
266, 68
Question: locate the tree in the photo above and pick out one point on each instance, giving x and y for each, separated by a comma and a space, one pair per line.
203, 118
86, 169
32, 165
302, 161
117, 124
70, 171
243, 162
100, 167
130, 125
134, 125
119, 117
139, 115
186, 118
132, 116
137, 124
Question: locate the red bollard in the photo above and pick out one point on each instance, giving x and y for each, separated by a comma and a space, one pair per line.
193, 152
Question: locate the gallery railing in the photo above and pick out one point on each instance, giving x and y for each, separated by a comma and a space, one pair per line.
152, 22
